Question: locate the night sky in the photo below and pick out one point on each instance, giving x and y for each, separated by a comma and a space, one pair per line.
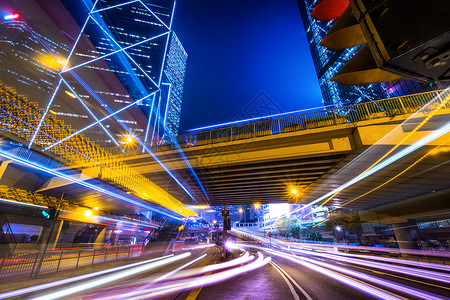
238, 49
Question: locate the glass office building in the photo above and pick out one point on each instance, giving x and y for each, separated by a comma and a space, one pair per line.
174, 72
118, 62
328, 62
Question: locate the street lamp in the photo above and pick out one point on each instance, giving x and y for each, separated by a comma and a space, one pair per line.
129, 139
294, 191
258, 206
338, 233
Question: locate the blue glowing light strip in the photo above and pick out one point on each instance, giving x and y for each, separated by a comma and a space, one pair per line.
173, 12
149, 122
154, 14
92, 114
151, 153
114, 6
167, 170
114, 52
58, 174
145, 148
189, 166
164, 59
168, 102
142, 144
257, 118
113, 114
22, 121
97, 122
78, 37
59, 82
157, 117
103, 104
44, 114
122, 50
22, 203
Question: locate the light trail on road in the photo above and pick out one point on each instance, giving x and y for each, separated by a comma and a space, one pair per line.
341, 267
111, 278
40, 287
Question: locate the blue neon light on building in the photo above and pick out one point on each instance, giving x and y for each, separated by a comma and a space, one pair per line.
174, 71
125, 51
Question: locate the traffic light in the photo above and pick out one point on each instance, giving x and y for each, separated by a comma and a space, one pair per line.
403, 40
49, 214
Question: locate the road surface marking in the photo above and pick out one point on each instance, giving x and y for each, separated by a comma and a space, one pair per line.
291, 288
293, 281
194, 293
355, 279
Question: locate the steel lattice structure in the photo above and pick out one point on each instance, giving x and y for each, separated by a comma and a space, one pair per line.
117, 72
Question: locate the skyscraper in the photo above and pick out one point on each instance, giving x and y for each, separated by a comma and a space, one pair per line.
174, 71
121, 76
328, 62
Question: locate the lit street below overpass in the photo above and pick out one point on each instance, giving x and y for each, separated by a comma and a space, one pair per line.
257, 268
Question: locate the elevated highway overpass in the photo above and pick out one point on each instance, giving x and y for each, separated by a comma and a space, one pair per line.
273, 156
249, 162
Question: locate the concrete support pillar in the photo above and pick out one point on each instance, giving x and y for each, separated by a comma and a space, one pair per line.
101, 235
44, 235
116, 237
403, 237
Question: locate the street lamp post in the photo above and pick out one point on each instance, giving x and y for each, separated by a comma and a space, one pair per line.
258, 207
241, 211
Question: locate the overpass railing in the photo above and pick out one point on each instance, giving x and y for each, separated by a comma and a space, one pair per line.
321, 118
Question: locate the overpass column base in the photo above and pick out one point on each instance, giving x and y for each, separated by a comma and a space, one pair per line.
45, 231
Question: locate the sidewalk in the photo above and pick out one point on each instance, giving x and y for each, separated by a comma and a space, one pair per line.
12, 284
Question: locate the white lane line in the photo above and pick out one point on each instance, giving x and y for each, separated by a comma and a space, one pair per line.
294, 282
291, 288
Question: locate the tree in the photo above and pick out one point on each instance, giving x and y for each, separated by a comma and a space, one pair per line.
314, 236
348, 221
289, 227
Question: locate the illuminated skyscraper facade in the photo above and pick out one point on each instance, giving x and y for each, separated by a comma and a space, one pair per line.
174, 71
328, 62
26, 59
111, 73
129, 60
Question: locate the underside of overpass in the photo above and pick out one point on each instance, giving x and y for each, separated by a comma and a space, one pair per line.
264, 169
315, 162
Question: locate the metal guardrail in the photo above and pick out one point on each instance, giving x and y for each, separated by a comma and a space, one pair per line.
321, 118
13, 265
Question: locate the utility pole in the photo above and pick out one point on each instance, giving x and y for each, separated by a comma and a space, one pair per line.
225, 221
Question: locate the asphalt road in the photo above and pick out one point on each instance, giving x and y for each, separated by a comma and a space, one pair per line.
285, 271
